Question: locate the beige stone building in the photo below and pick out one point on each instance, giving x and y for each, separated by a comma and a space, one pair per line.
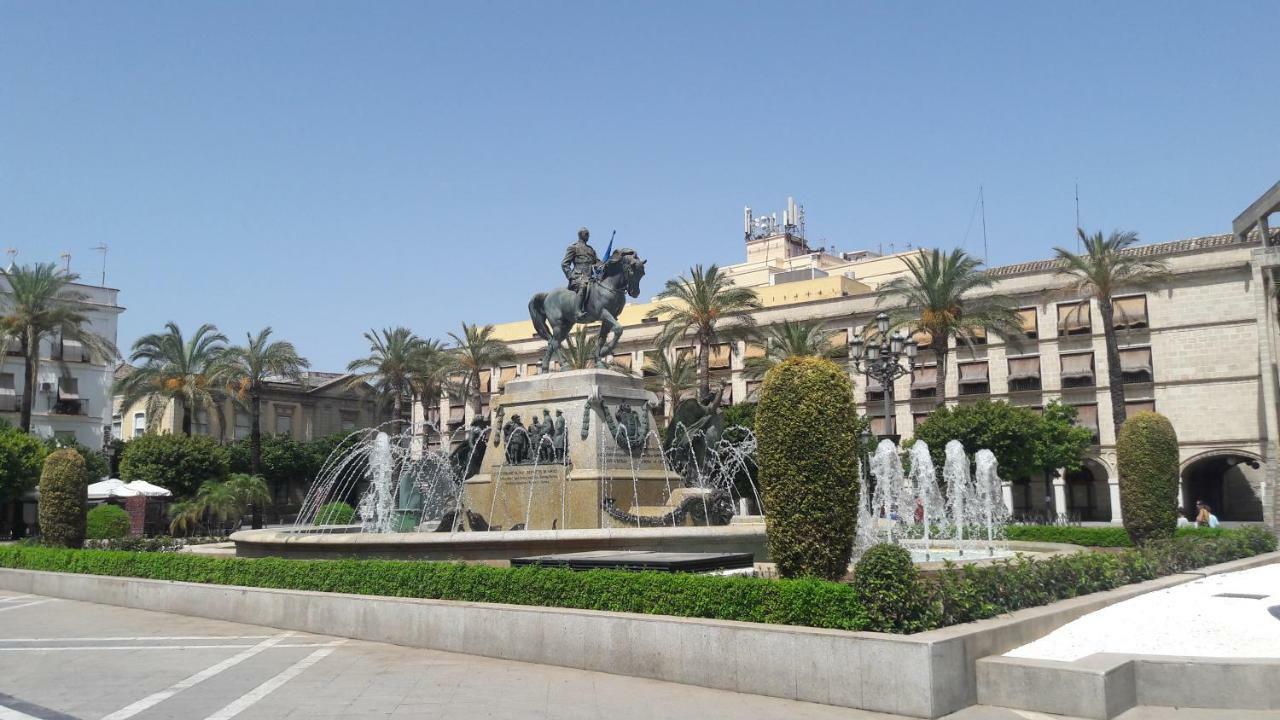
1200, 350
321, 405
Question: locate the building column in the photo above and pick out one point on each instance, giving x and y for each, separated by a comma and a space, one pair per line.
1116, 514
1006, 492
1060, 493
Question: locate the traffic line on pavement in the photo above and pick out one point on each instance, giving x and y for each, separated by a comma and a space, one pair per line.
242, 703
11, 708
27, 604
159, 697
13, 598
137, 638
38, 648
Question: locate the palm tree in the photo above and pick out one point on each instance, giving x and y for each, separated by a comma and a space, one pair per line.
698, 303
223, 501
665, 377
581, 350
1105, 267
935, 294
243, 370
473, 352
40, 303
175, 369
389, 365
428, 370
792, 339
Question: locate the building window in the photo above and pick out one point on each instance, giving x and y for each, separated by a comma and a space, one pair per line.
284, 421
1135, 365
64, 437
1024, 373
726, 394
1077, 370
68, 401
117, 426
1137, 406
486, 382
532, 369
1074, 319
623, 361
200, 424
72, 350
974, 379
139, 424
1129, 313
720, 358
924, 381
753, 390
1030, 325
8, 393
244, 425
13, 346
1087, 417
348, 419
917, 419
875, 391
506, 375
977, 336
879, 426
684, 353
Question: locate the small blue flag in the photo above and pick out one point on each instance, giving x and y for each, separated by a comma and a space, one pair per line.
609, 250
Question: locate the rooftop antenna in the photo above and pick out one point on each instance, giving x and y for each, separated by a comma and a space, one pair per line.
1077, 216
12, 253
982, 203
102, 248
66, 261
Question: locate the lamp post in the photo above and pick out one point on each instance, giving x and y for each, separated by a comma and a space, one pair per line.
883, 360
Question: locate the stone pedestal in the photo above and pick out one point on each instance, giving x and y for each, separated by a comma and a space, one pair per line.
595, 472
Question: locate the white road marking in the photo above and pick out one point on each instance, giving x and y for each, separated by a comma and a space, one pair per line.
159, 697
136, 638
28, 604
11, 714
158, 647
240, 704
12, 598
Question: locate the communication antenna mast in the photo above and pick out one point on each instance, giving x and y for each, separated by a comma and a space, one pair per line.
102, 248
982, 202
12, 253
66, 261
1077, 216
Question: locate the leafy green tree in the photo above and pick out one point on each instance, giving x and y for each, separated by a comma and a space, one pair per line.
473, 352
389, 366
792, 339
63, 497
1107, 266
284, 463
937, 297
1061, 443
700, 304
807, 428
179, 463
42, 303
172, 368
21, 460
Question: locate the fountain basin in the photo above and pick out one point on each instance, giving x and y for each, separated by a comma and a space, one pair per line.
496, 547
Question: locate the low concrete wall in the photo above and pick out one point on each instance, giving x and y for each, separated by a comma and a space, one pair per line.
924, 675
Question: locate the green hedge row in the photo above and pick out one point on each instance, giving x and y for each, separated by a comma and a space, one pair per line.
949, 597
1097, 536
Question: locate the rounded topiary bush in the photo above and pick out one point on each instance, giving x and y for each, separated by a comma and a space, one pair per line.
335, 513
64, 493
807, 429
888, 584
107, 522
1147, 459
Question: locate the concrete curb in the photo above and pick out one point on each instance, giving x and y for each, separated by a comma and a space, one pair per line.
924, 675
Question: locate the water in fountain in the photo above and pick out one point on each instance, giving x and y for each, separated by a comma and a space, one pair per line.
889, 495
927, 506
990, 512
960, 491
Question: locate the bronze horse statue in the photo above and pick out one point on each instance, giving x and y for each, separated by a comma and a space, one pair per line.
555, 313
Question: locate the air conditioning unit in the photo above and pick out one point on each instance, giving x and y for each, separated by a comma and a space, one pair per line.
46, 387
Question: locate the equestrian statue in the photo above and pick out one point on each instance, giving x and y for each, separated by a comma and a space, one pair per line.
597, 291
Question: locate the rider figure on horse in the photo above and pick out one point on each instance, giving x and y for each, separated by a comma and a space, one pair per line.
579, 265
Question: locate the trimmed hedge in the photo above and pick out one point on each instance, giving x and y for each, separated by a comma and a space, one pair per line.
107, 522
888, 585
64, 490
335, 513
807, 430
1147, 460
948, 597
1096, 536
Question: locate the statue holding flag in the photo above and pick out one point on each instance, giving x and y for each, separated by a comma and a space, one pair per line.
597, 291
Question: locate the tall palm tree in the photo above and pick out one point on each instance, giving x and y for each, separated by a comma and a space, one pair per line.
665, 377
936, 297
473, 352
581, 350
792, 339
42, 302
428, 370
1104, 268
222, 501
698, 304
389, 365
243, 370
175, 369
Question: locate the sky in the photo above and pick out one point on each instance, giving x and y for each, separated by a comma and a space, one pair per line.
325, 168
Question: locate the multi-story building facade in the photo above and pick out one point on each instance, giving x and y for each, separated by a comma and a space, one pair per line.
72, 399
323, 404
1199, 350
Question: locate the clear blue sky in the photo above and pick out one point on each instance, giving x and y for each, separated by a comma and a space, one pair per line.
327, 167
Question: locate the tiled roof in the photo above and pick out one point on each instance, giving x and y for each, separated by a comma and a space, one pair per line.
1206, 242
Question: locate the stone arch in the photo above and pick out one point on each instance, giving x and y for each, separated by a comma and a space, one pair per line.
1088, 492
1227, 480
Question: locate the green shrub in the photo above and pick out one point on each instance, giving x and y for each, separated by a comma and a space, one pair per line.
335, 513
96, 466
888, 585
807, 429
64, 491
21, 459
107, 522
1147, 460
176, 462
1097, 536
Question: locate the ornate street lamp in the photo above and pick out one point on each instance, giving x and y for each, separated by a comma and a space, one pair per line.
886, 360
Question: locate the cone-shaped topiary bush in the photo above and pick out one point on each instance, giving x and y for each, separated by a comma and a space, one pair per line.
1147, 459
807, 429
63, 496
